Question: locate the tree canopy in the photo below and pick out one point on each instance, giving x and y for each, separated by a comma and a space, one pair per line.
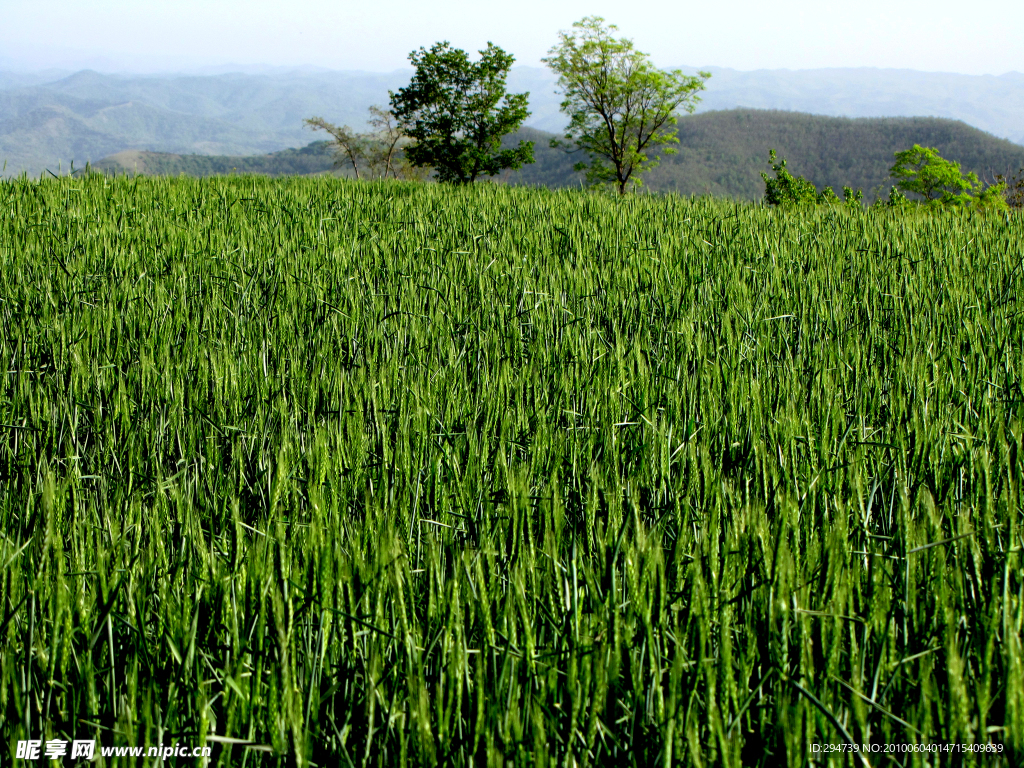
620, 106
457, 111
922, 171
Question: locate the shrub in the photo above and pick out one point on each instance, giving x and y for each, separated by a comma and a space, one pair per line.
787, 189
896, 200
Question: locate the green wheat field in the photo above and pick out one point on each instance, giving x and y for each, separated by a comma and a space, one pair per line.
321, 472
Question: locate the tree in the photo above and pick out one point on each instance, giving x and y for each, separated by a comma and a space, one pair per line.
620, 106
1013, 189
457, 112
379, 153
922, 171
350, 146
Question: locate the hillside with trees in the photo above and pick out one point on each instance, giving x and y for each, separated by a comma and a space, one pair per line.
720, 153
52, 118
723, 153
315, 158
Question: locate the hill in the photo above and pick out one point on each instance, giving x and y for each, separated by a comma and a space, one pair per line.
314, 158
90, 115
723, 153
52, 118
994, 104
719, 153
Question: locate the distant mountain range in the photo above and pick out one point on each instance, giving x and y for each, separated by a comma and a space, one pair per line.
995, 104
720, 153
49, 119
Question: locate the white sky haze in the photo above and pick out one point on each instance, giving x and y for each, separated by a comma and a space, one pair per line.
980, 37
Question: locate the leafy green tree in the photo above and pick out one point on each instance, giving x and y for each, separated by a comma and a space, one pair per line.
620, 106
457, 112
922, 171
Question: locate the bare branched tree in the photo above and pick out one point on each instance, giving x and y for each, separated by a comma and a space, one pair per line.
1014, 191
389, 139
379, 153
351, 146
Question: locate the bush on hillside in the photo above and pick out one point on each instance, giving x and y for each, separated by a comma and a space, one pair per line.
896, 199
787, 189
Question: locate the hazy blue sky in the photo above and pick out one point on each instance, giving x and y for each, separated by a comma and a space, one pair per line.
978, 37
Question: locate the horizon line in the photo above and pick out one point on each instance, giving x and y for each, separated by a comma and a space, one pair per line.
233, 68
